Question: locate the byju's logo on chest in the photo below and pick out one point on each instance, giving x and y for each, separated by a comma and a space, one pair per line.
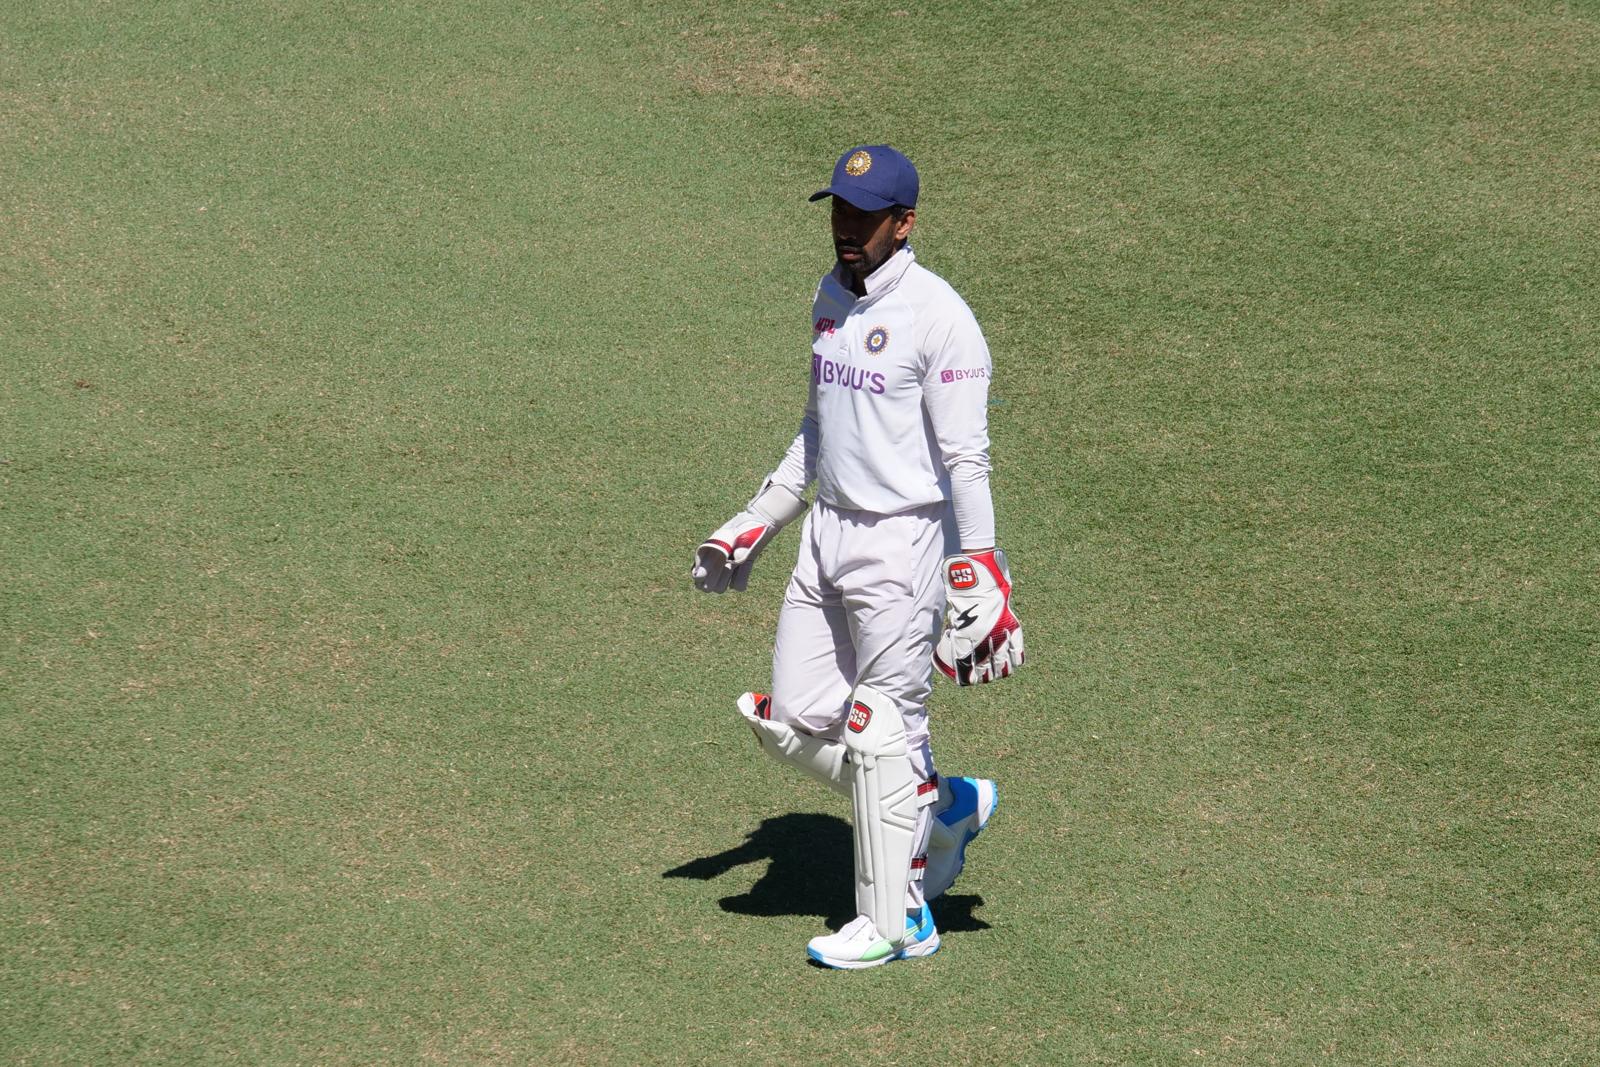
832, 372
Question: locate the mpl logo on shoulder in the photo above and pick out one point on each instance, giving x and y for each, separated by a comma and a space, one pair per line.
877, 340
860, 715
963, 575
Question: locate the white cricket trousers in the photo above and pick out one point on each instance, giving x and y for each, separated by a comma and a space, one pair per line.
865, 596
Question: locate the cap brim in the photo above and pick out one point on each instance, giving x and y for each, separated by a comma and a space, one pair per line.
859, 198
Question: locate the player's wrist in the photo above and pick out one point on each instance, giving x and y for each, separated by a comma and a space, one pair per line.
777, 505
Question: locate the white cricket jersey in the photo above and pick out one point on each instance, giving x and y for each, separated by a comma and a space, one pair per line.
897, 412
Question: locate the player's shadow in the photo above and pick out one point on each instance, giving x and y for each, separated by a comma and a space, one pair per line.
809, 872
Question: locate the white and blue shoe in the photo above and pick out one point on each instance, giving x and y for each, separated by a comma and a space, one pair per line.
964, 809
859, 945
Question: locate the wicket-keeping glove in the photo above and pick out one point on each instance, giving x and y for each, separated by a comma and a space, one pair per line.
724, 559
982, 639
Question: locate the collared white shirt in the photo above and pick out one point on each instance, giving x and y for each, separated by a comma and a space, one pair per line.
897, 410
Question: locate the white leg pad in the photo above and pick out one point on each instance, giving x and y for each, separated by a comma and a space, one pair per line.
885, 796
822, 760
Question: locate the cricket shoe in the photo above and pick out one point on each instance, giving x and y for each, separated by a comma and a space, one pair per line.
859, 945
964, 809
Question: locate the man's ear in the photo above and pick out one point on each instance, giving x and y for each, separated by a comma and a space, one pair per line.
903, 225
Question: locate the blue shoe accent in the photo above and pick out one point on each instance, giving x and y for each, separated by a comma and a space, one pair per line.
963, 801
922, 937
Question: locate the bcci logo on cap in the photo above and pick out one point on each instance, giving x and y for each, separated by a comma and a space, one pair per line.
860, 715
858, 164
963, 575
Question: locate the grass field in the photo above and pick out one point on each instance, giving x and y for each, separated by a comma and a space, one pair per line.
372, 369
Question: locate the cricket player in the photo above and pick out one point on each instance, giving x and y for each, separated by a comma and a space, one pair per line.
895, 435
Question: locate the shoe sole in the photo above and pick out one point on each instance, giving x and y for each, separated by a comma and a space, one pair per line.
910, 952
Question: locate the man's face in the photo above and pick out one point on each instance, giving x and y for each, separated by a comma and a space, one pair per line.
864, 240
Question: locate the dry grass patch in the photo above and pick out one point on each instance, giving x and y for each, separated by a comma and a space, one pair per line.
750, 66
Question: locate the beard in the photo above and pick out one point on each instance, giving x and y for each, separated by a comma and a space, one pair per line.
865, 259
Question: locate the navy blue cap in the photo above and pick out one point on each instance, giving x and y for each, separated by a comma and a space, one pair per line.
873, 177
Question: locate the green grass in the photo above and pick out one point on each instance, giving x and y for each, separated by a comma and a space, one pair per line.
371, 371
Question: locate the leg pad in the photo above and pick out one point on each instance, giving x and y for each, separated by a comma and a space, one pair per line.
822, 760
886, 797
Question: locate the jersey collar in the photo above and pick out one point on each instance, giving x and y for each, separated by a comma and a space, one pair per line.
885, 278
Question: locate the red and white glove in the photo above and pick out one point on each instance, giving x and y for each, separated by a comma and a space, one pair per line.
725, 558
982, 639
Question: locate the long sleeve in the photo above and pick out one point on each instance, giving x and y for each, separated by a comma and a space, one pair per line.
799, 466
956, 396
